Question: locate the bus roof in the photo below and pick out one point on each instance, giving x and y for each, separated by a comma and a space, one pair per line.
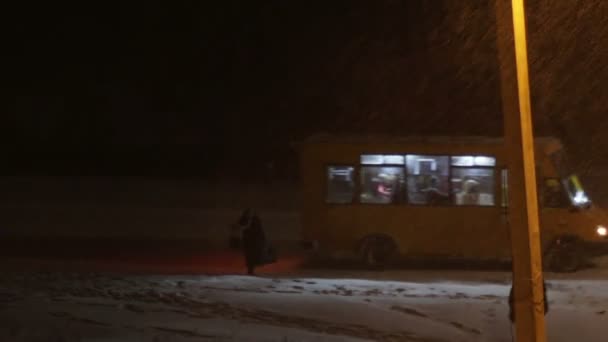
368, 139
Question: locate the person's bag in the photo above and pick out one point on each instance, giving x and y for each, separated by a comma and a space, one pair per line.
270, 255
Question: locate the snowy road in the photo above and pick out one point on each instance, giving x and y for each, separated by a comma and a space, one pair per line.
305, 306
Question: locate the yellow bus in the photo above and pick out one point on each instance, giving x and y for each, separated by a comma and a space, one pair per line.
382, 199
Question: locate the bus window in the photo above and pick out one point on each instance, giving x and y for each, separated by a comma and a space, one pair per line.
382, 184
473, 186
427, 179
575, 190
381, 159
571, 183
553, 194
473, 161
473, 180
340, 184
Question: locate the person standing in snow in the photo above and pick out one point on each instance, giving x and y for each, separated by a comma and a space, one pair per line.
254, 244
236, 229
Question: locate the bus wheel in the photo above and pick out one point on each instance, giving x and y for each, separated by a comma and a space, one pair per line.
377, 251
564, 255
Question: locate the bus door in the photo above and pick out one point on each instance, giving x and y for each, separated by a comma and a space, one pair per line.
567, 209
552, 207
555, 210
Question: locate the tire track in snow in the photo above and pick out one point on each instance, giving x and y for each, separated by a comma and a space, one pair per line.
413, 312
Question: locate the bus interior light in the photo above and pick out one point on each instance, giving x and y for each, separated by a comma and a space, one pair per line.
580, 198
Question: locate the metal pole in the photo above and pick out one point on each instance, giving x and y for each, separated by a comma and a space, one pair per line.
519, 144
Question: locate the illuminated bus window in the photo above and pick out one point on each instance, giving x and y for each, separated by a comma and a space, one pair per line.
372, 159
340, 184
473, 161
427, 179
575, 190
473, 186
382, 159
382, 184
554, 195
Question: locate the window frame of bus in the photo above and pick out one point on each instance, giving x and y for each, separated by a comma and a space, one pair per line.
360, 167
503, 186
449, 177
493, 168
326, 187
543, 187
355, 199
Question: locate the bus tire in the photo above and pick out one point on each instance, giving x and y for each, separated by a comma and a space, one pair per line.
377, 251
564, 255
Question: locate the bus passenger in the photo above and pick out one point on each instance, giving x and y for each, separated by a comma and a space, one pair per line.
470, 192
434, 195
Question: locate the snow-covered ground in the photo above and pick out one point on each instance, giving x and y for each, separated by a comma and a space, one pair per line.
306, 305
51, 305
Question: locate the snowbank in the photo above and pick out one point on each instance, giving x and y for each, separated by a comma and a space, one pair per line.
332, 306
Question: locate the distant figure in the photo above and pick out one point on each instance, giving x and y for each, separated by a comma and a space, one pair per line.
512, 302
434, 196
236, 229
254, 244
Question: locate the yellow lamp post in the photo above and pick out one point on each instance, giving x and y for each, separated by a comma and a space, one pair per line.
523, 207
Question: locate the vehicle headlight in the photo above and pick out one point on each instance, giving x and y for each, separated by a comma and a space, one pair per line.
601, 230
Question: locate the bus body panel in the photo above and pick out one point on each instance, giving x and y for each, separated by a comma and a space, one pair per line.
450, 231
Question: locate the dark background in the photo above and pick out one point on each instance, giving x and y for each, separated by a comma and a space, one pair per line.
219, 89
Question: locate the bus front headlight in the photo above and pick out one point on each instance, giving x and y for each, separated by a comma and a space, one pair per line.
601, 230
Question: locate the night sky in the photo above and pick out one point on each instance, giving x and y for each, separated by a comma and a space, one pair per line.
197, 88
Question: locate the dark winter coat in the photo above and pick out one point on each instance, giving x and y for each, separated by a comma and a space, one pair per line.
245, 216
236, 229
254, 242
512, 302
